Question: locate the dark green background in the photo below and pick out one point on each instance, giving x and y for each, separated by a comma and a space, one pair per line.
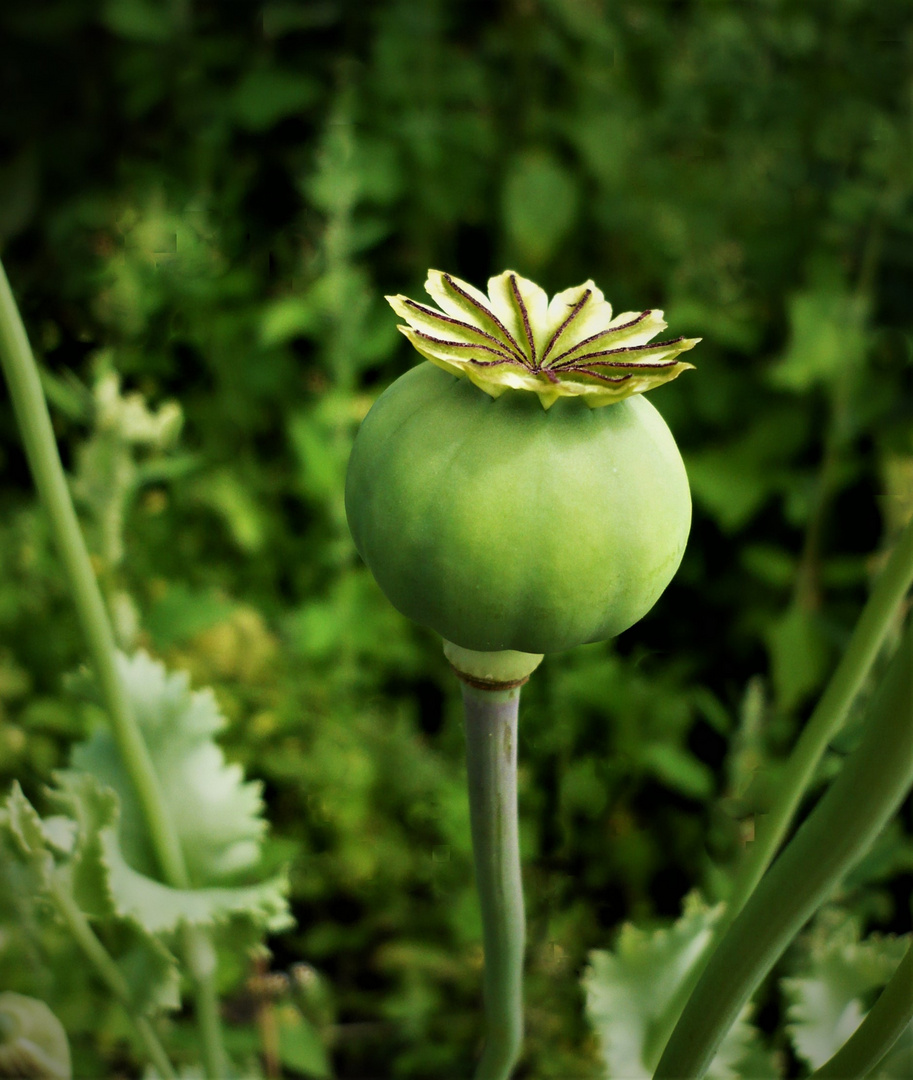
213, 197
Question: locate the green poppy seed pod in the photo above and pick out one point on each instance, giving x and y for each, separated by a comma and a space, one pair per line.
516, 493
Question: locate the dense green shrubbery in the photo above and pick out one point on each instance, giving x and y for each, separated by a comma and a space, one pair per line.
212, 200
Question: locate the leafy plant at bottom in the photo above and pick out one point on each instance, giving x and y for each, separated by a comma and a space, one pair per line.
64, 855
829, 997
218, 815
629, 987
90, 856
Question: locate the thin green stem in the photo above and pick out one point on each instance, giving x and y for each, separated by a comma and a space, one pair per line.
110, 974
200, 955
866, 794
21, 373
878, 1032
491, 761
825, 722
865, 643
41, 450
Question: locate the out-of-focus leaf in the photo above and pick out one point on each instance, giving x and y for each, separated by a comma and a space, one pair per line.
300, 1045
224, 493
286, 16
897, 480
139, 20
180, 613
799, 655
731, 492
33, 1042
772, 565
734, 481
287, 318
832, 995
68, 854
353, 623
678, 769
268, 95
540, 205
18, 190
827, 338
628, 987
218, 816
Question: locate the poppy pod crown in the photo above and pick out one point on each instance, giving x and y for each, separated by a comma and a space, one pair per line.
516, 338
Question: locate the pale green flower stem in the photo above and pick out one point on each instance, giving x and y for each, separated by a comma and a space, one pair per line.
875, 623
491, 763
110, 974
882, 1027
866, 794
34, 421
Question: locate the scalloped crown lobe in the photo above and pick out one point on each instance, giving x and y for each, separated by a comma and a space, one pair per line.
516, 338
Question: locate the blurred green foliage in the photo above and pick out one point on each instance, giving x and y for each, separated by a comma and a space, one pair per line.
211, 199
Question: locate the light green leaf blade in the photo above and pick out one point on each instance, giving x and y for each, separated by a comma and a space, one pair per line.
66, 852
300, 1046
798, 655
829, 999
628, 988
22, 825
101, 870
265, 97
540, 203
217, 814
162, 909
827, 336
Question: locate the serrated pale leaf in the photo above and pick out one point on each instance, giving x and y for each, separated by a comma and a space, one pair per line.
218, 816
829, 999
161, 909
629, 987
105, 882
66, 853
23, 828
300, 1045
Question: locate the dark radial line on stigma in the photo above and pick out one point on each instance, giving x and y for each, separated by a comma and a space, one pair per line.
506, 357
524, 315
448, 280
637, 366
607, 378
659, 345
601, 334
567, 322
431, 313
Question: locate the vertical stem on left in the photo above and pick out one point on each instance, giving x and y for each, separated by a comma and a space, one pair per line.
34, 421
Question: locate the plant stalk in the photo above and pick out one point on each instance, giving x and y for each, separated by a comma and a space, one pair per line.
491, 762
881, 1028
110, 974
866, 794
865, 643
30, 407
